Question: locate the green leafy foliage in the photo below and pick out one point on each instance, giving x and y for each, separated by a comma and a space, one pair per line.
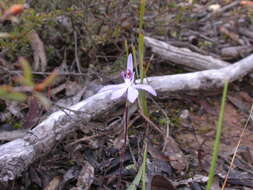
28, 86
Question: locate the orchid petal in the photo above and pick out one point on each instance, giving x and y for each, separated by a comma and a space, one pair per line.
132, 79
111, 87
147, 88
132, 94
118, 93
130, 63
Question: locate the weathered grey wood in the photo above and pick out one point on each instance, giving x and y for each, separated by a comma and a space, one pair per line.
11, 135
183, 56
203, 79
17, 155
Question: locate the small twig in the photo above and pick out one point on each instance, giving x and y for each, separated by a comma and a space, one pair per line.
88, 138
223, 9
203, 36
167, 122
76, 54
152, 124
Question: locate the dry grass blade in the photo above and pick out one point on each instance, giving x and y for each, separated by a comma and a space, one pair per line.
236, 149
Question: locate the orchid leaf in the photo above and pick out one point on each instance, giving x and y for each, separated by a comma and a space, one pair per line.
137, 179
141, 175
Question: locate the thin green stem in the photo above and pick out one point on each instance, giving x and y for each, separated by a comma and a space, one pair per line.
216, 145
141, 55
135, 63
126, 47
142, 97
142, 10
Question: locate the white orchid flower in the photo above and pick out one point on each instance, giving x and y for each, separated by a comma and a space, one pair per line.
128, 87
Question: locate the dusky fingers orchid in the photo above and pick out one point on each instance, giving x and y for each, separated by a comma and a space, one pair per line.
128, 87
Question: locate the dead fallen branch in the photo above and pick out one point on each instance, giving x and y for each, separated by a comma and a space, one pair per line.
185, 57
11, 135
203, 79
182, 56
17, 155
